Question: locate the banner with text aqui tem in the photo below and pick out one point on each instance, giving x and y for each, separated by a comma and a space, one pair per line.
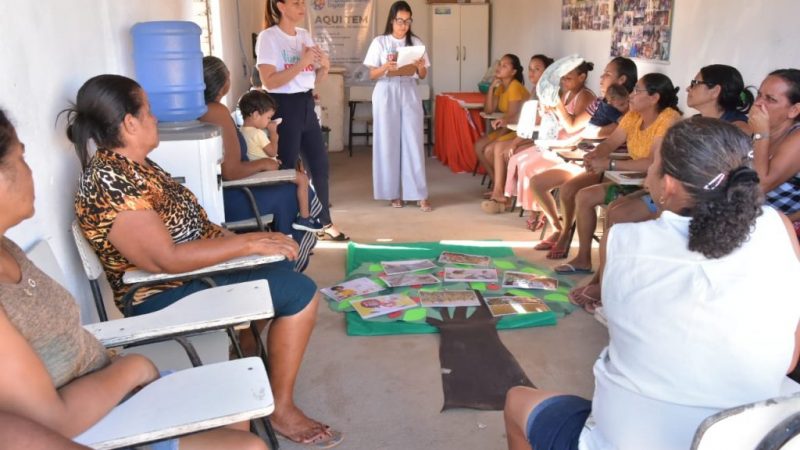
344, 29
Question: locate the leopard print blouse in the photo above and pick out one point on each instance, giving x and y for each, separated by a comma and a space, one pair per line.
112, 184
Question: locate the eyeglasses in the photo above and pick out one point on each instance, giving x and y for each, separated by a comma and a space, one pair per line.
638, 90
400, 21
694, 83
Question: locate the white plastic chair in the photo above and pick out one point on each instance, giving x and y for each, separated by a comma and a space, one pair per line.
190, 400
259, 221
766, 425
186, 402
137, 278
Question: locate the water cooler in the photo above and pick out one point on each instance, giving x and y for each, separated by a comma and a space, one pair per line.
169, 66
192, 154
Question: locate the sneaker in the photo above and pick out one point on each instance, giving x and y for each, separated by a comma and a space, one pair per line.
307, 224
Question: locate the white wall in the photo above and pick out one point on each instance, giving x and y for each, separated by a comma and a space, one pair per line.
50, 48
755, 37
237, 49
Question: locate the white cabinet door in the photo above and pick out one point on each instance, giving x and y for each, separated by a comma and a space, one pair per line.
474, 45
446, 51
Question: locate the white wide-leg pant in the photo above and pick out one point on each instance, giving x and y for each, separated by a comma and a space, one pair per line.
398, 155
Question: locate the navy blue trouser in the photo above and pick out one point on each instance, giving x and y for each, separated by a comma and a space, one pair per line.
301, 136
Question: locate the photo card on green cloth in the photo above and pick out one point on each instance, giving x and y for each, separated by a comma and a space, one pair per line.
352, 288
448, 299
412, 265
409, 279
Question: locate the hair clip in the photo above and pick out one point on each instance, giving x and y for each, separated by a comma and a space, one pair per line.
715, 182
743, 97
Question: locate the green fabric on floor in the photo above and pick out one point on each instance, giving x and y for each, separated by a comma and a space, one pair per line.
363, 260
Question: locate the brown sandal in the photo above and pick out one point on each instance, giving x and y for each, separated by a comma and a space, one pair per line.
425, 205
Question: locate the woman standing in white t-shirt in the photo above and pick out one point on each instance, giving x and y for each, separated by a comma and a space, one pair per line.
398, 158
289, 63
699, 307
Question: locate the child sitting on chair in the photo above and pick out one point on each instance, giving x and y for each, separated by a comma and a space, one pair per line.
607, 116
257, 109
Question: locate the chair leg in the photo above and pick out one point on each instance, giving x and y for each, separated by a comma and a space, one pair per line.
350, 130
190, 350
475, 169
270, 437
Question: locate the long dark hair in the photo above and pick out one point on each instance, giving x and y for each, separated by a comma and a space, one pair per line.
732, 95
99, 109
627, 67
396, 7
272, 15
546, 60
709, 158
658, 83
792, 78
215, 75
7, 134
517, 65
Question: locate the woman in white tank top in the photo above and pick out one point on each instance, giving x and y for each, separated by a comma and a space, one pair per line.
698, 316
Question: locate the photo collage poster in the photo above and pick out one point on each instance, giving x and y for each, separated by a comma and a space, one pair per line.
642, 29
585, 14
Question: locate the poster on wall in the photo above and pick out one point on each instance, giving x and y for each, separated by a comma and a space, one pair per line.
585, 14
642, 29
344, 29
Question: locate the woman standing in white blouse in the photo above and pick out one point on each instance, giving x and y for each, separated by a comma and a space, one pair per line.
289, 63
699, 318
398, 158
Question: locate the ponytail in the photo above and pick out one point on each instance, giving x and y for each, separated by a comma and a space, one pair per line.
710, 159
272, 15
657, 83
99, 109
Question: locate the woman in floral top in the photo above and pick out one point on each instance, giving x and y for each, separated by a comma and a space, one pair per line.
135, 216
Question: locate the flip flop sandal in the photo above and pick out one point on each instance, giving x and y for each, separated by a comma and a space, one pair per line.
549, 242
569, 269
579, 297
492, 206
396, 204
424, 206
535, 222
327, 437
591, 307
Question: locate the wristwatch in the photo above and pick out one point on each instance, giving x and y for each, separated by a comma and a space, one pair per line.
759, 136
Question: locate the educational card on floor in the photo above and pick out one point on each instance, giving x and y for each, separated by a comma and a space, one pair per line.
455, 274
382, 305
507, 305
411, 265
525, 280
463, 258
410, 279
358, 286
447, 299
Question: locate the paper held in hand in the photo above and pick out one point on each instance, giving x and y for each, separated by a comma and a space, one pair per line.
409, 55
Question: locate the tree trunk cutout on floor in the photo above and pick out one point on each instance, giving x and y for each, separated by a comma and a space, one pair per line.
477, 369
